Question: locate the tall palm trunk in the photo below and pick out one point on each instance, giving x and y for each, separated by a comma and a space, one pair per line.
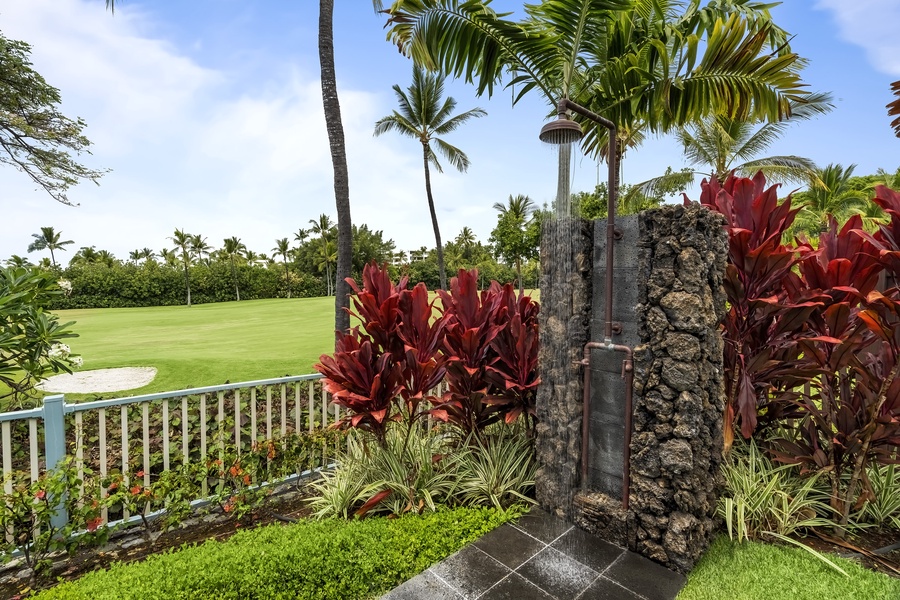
237, 292
335, 129
287, 276
52, 256
434, 221
519, 276
187, 283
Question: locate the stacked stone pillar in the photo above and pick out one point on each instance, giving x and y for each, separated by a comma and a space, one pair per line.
676, 447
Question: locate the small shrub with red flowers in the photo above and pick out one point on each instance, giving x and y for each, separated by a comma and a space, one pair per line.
28, 512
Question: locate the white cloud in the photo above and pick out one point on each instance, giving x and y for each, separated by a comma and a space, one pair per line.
188, 153
871, 24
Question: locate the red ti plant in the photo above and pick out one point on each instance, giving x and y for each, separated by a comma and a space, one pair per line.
761, 324
362, 380
887, 239
851, 417
513, 372
422, 335
473, 321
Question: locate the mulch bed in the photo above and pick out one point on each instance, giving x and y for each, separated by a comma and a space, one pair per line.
131, 545
862, 549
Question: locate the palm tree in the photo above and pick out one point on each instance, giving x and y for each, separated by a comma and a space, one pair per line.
86, 255
183, 243
334, 126
636, 62
48, 239
515, 213
134, 256
894, 108
722, 145
323, 228
833, 198
423, 116
199, 247
232, 247
301, 235
169, 257
282, 247
326, 256
466, 241
147, 254
106, 258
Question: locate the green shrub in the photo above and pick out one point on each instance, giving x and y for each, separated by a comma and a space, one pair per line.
152, 284
319, 559
761, 500
498, 470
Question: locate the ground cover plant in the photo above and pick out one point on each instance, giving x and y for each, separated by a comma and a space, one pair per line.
751, 570
313, 559
208, 343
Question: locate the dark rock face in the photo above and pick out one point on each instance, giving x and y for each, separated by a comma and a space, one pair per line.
676, 445
680, 377
565, 321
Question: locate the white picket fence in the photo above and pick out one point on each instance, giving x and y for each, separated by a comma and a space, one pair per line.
153, 431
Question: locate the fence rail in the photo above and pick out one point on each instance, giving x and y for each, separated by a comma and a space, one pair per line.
154, 432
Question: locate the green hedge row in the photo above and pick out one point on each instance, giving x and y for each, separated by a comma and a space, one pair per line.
151, 284
313, 559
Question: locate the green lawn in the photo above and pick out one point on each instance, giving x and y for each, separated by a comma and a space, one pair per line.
206, 344
751, 571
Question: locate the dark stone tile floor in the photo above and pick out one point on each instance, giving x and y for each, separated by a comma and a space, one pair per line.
541, 557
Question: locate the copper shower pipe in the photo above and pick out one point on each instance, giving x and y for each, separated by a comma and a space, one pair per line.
563, 130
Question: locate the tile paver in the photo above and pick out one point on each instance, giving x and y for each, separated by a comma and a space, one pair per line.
541, 557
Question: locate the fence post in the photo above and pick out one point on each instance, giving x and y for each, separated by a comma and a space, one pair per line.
55, 444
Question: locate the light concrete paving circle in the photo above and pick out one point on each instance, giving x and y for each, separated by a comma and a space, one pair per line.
99, 380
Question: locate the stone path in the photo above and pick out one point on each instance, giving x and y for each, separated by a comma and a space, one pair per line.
541, 557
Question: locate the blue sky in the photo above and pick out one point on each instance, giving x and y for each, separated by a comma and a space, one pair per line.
209, 114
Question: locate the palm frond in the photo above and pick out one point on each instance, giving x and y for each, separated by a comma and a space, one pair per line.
783, 169
894, 108
456, 157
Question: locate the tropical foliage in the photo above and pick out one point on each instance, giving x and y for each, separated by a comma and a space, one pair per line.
812, 349
35, 137
424, 115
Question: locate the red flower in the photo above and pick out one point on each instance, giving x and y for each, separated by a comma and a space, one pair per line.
228, 507
40, 495
246, 480
113, 485
135, 490
93, 524
140, 473
233, 471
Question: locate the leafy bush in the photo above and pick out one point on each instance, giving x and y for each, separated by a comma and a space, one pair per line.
31, 347
484, 344
28, 512
321, 560
498, 470
811, 348
96, 285
418, 471
761, 499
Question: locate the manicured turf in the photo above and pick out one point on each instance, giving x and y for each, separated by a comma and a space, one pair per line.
751, 571
206, 344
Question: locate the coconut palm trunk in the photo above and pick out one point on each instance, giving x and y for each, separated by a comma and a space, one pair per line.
434, 222
237, 291
335, 129
187, 283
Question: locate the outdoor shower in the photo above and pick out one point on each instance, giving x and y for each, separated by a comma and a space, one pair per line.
566, 131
